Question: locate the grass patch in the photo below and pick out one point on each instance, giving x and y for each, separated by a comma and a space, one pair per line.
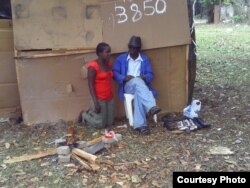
223, 53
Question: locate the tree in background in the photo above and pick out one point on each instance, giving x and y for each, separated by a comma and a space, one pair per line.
205, 8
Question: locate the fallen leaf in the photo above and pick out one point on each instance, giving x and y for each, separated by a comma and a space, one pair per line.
155, 183
43, 134
137, 163
197, 167
183, 162
44, 164
70, 165
120, 183
56, 181
135, 179
187, 153
47, 173
84, 181
7, 145
4, 166
206, 159
113, 178
148, 159
220, 150
103, 179
231, 162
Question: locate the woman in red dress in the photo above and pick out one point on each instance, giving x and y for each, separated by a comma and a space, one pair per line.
101, 112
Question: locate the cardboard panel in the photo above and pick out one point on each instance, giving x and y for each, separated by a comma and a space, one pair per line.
6, 38
9, 95
7, 67
5, 23
52, 109
169, 65
10, 112
52, 88
57, 24
160, 23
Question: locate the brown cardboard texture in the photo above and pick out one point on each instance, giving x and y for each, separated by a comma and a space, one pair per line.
9, 95
169, 66
160, 23
57, 24
52, 88
7, 67
5, 23
10, 112
6, 38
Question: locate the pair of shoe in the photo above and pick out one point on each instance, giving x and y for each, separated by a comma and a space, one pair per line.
154, 110
187, 125
143, 130
200, 123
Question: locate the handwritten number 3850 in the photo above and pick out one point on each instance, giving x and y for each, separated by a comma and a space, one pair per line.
159, 7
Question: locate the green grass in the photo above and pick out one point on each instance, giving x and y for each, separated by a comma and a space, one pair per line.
223, 54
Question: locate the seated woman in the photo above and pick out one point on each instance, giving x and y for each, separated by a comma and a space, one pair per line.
101, 112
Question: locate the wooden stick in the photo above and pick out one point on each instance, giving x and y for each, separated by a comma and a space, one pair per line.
84, 164
85, 155
28, 157
94, 141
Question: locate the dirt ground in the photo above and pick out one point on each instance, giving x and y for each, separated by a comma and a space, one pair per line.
138, 161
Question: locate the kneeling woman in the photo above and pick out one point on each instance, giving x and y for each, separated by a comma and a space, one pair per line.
100, 114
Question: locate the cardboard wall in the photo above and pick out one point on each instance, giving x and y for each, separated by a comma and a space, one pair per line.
57, 24
170, 68
52, 88
74, 24
9, 96
160, 23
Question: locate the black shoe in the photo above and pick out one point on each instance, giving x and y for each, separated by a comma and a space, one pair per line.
143, 130
170, 125
154, 110
200, 123
79, 118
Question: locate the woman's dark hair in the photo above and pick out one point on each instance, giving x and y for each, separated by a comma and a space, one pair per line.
101, 47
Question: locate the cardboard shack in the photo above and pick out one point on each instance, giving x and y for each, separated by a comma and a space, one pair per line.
54, 39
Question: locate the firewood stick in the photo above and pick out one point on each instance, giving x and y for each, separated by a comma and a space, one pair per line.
85, 155
84, 164
28, 157
94, 141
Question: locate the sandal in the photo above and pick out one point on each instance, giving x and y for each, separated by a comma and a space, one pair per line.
143, 130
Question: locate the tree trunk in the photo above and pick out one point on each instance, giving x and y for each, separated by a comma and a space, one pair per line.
210, 15
192, 55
